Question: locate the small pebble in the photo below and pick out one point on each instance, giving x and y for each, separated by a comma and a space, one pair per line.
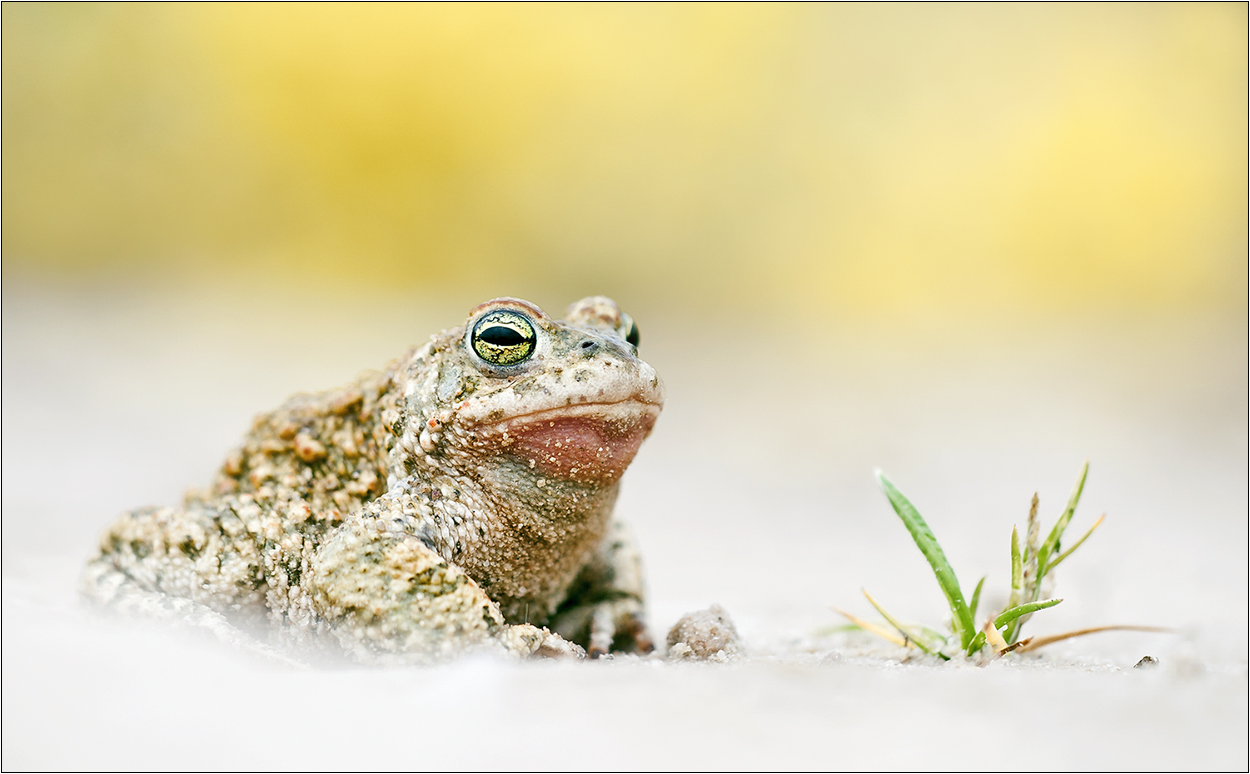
1146, 662
706, 635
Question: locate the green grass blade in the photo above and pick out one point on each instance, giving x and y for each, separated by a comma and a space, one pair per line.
961, 619
825, 631
908, 636
1017, 570
977, 643
976, 599
1011, 614
978, 639
1077, 544
1028, 557
1051, 543
934, 635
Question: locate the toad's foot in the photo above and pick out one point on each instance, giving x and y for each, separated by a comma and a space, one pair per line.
605, 606
619, 625
529, 640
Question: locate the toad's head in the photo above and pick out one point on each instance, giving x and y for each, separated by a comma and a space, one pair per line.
518, 399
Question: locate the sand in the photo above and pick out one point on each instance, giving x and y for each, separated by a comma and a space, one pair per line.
755, 492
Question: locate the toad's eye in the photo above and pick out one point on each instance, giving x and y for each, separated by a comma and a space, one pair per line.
629, 328
504, 338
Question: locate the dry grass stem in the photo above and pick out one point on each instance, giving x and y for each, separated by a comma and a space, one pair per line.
1033, 643
872, 627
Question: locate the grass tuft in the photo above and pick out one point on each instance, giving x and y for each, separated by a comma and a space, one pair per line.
1030, 564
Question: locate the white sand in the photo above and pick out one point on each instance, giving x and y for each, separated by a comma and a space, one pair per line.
755, 492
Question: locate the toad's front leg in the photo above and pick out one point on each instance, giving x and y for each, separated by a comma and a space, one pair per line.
606, 607
386, 597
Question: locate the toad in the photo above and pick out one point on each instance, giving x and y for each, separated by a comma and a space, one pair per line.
462, 498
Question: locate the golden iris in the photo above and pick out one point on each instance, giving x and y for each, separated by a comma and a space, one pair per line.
504, 338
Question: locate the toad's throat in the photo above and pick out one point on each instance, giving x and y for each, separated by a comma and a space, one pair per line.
587, 443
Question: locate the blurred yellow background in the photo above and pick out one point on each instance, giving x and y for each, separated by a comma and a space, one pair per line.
969, 244
865, 160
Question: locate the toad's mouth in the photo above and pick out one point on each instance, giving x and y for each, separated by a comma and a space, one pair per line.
587, 443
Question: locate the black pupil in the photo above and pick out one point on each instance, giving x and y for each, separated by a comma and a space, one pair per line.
501, 336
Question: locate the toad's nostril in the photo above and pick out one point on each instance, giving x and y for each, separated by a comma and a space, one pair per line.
589, 345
